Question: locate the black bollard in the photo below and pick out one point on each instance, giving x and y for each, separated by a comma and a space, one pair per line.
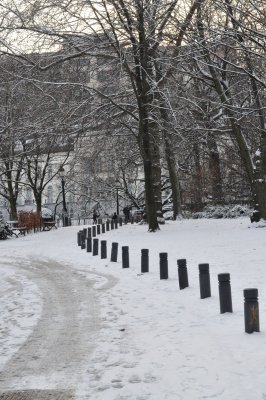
103, 228
98, 229
144, 260
116, 224
93, 231
79, 238
83, 241
89, 245
125, 257
132, 220
120, 221
225, 293
114, 252
251, 310
204, 279
103, 249
163, 266
95, 249
107, 226
89, 232
182, 273
112, 224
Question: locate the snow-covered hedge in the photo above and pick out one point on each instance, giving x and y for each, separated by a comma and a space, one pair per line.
228, 211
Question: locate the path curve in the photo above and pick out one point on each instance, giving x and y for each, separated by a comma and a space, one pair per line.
58, 350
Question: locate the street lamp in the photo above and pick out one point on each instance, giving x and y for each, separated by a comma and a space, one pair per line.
117, 199
64, 213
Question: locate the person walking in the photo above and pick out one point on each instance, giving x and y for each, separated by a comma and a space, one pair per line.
126, 212
114, 217
95, 217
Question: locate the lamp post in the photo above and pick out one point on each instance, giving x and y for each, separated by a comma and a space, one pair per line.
64, 212
117, 198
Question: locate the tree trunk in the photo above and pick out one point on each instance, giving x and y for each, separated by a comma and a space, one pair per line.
215, 171
12, 194
13, 209
197, 180
171, 162
38, 199
152, 170
156, 169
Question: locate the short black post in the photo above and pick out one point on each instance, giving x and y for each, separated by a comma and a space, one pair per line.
163, 265
132, 220
251, 310
114, 252
93, 231
125, 257
85, 232
103, 228
107, 226
83, 241
98, 229
89, 244
120, 221
144, 260
182, 273
225, 293
95, 249
103, 249
204, 279
79, 238
112, 224
116, 224
89, 232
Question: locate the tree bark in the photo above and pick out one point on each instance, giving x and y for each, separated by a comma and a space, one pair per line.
215, 171
152, 170
171, 162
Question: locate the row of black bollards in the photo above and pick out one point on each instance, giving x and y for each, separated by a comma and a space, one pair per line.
95, 230
251, 306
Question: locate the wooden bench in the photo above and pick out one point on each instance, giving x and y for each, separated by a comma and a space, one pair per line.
47, 226
22, 230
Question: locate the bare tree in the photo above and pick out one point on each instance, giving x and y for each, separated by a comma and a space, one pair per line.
224, 62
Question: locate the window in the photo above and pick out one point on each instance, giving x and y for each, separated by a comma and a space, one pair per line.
28, 199
50, 194
50, 172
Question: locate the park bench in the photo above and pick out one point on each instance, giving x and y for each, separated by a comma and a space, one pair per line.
22, 230
48, 225
15, 229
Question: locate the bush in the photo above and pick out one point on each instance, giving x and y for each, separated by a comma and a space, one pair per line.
228, 211
29, 220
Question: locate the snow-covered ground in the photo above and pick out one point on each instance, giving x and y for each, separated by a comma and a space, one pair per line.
127, 335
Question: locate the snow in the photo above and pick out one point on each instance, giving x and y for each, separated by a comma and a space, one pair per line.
154, 341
